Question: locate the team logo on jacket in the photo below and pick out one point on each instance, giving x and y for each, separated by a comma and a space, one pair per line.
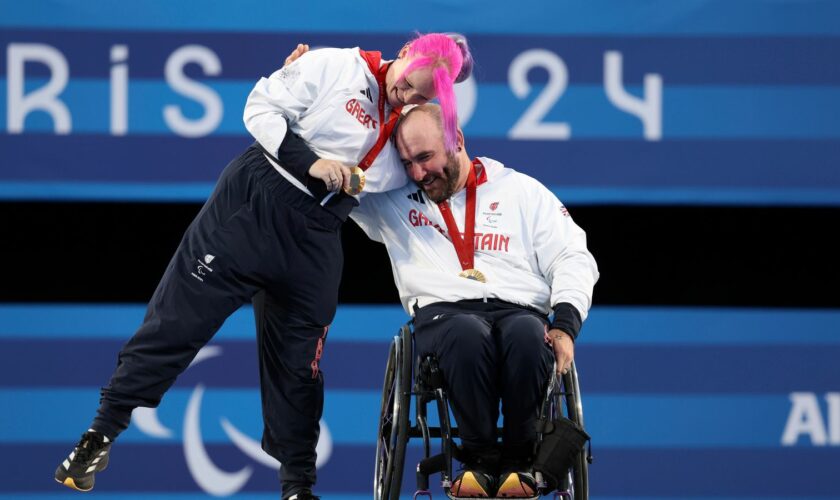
358, 112
491, 218
366, 93
289, 74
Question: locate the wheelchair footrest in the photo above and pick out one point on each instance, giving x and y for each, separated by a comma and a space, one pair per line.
536, 497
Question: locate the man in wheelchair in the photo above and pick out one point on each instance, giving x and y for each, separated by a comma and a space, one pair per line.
482, 255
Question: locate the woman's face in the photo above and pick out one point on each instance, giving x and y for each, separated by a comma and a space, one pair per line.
416, 87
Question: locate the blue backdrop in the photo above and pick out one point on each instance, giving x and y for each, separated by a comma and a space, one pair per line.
681, 402
606, 101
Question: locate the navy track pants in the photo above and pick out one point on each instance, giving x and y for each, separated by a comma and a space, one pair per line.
260, 239
489, 352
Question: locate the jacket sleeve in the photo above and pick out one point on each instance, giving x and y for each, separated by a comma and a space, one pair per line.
562, 256
278, 102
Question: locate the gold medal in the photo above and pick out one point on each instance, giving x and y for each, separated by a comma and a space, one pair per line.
357, 181
473, 274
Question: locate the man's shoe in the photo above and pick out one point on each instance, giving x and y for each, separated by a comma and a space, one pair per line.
304, 495
472, 484
517, 485
89, 457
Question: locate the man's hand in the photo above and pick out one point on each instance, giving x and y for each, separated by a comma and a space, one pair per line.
335, 175
300, 50
564, 350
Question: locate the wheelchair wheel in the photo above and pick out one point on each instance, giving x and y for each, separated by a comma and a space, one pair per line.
393, 419
579, 473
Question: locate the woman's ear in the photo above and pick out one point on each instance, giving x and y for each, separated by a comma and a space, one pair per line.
403, 51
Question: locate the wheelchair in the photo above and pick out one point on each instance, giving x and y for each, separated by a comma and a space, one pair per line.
406, 377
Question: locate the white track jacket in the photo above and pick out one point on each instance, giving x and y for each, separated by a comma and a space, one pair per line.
526, 244
330, 98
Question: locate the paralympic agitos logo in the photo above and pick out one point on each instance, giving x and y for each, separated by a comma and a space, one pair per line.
205, 473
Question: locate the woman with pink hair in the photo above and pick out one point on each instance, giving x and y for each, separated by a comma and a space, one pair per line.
426, 68
270, 234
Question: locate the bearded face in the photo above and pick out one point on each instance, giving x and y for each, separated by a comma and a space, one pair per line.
440, 187
420, 143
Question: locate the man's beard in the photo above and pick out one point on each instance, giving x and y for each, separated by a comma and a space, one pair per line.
451, 174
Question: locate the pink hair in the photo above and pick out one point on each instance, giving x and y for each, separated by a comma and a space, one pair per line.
444, 55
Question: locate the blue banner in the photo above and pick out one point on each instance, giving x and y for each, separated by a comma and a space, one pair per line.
699, 102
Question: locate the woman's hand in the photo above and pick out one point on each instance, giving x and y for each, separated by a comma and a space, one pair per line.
335, 175
300, 50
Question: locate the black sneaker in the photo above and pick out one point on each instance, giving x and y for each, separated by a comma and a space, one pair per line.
89, 457
304, 494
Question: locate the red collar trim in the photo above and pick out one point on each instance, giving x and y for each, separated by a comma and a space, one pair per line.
373, 58
480, 172
386, 124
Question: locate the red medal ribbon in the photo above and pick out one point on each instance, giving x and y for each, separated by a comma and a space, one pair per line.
373, 60
464, 247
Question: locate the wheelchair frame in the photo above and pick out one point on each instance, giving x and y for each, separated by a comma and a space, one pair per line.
562, 397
